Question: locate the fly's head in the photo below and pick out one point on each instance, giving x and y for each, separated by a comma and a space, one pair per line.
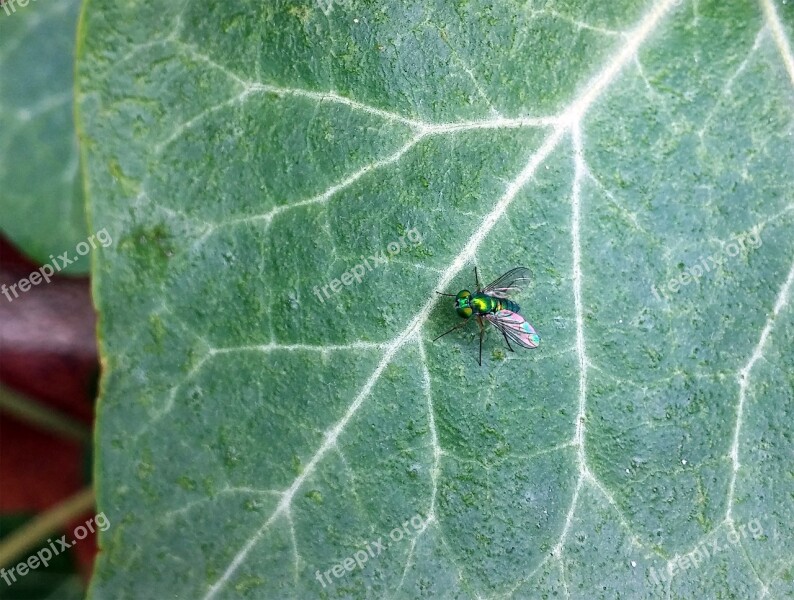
463, 304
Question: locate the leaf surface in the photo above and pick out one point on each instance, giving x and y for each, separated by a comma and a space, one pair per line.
41, 196
254, 432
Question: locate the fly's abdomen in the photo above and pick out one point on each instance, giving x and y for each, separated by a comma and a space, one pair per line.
509, 305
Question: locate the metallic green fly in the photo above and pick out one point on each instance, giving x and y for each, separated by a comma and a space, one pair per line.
492, 304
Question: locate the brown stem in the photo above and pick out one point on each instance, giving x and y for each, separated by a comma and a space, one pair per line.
29, 536
31, 412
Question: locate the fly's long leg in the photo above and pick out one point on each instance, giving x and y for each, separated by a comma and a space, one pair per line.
509, 347
458, 326
477, 279
443, 294
482, 333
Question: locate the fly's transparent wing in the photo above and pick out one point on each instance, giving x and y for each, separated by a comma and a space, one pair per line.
515, 327
510, 283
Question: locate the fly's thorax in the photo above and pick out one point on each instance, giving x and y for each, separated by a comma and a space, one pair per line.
484, 304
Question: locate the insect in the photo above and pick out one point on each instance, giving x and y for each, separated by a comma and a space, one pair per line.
492, 304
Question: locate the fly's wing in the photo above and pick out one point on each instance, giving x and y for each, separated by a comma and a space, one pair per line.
510, 283
515, 327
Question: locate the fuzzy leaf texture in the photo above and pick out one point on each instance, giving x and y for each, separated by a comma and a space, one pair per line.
252, 433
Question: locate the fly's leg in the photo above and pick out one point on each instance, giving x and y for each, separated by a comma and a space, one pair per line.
458, 326
509, 347
477, 279
482, 333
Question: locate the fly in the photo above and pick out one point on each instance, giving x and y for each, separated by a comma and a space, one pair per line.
492, 304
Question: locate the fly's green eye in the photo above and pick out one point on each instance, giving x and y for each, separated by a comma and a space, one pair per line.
462, 305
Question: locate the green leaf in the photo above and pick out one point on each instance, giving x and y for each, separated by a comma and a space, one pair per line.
254, 432
42, 198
